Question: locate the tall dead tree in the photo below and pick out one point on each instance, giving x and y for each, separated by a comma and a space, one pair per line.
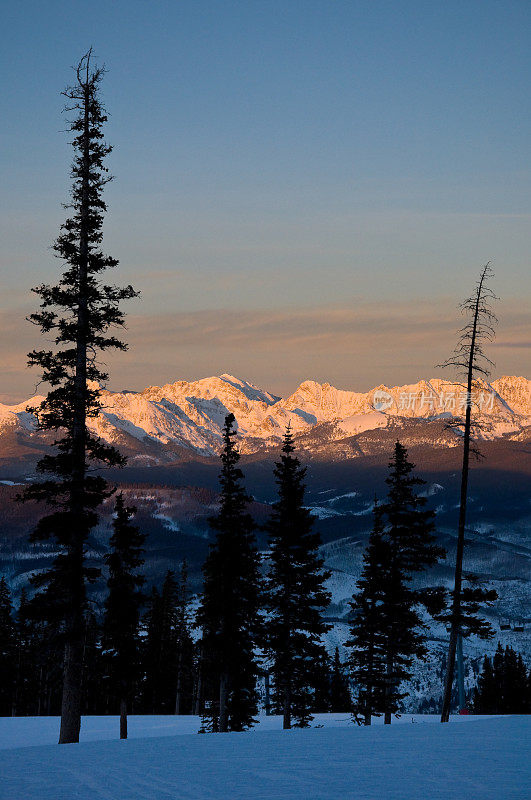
78, 313
470, 360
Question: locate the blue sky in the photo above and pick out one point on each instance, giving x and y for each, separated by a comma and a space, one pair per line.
299, 160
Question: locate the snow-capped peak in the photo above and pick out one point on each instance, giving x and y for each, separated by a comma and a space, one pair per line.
191, 413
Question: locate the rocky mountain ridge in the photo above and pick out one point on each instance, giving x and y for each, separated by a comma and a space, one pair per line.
187, 417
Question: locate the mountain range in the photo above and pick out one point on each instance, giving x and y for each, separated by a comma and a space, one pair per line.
183, 420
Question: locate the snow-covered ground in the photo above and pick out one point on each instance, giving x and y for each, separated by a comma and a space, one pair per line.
476, 758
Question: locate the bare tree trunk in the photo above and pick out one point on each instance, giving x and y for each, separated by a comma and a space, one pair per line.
71, 700
198, 698
387, 693
458, 579
286, 706
267, 693
199, 685
369, 698
123, 718
368, 707
179, 684
223, 699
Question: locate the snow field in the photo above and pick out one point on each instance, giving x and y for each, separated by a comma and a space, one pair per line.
471, 758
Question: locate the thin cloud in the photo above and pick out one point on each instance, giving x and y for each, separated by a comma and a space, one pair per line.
356, 346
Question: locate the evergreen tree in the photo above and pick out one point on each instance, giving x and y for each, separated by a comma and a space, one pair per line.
485, 695
39, 655
7, 650
503, 685
185, 647
228, 614
340, 699
409, 534
295, 593
78, 312
168, 651
122, 606
320, 683
410, 525
368, 662
152, 653
95, 699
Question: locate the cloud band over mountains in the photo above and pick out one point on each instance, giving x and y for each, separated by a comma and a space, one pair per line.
355, 346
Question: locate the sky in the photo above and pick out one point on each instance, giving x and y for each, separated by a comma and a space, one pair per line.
303, 189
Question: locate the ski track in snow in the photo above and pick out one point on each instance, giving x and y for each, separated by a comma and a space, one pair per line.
475, 758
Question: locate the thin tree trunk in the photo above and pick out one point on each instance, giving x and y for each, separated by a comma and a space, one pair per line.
179, 684
71, 700
267, 694
198, 699
458, 580
368, 706
286, 707
223, 699
387, 693
199, 685
369, 697
123, 718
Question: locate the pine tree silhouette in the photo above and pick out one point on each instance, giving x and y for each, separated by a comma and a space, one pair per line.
295, 593
122, 606
369, 635
410, 533
7, 650
340, 699
78, 313
228, 614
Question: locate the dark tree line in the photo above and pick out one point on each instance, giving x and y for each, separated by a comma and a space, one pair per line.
504, 684
257, 618
143, 662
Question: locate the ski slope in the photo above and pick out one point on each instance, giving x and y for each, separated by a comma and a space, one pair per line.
473, 758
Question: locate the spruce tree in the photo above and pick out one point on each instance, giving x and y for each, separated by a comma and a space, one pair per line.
122, 606
228, 613
95, 699
152, 653
168, 650
368, 662
7, 650
409, 530
410, 525
185, 647
295, 595
39, 648
77, 313
340, 699
503, 686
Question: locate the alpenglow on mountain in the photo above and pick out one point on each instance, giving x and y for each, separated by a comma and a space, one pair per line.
185, 418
